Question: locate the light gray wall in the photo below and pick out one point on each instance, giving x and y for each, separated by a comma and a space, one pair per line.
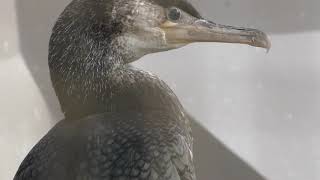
263, 107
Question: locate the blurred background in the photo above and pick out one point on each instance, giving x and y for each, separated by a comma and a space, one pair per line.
256, 113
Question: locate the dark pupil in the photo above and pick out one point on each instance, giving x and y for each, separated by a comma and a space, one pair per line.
174, 14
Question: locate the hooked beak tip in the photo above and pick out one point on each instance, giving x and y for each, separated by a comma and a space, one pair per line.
260, 39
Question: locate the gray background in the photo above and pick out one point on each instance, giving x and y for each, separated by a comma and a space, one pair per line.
260, 110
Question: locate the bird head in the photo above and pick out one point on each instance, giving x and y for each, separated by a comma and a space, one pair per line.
157, 25
140, 27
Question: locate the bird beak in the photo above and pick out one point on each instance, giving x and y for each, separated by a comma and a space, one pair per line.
206, 31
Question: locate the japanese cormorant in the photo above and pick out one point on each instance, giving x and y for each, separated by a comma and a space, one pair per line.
121, 123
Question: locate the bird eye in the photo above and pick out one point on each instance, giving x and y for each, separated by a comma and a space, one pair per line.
174, 14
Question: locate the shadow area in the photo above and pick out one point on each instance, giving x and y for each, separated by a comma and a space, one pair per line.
214, 160
35, 21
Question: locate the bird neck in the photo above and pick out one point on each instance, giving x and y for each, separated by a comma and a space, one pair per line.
91, 78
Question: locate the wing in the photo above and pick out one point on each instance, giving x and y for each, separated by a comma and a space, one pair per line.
113, 147
47, 159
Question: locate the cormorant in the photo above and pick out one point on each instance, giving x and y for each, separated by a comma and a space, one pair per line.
121, 123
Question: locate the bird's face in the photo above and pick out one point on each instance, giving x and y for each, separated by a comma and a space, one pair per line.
158, 25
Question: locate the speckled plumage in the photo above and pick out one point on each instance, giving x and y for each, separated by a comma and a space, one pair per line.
114, 146
121, 123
